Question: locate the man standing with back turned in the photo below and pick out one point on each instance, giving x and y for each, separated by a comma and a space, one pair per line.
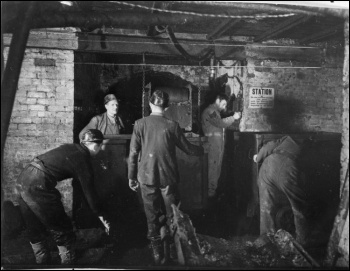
155, 138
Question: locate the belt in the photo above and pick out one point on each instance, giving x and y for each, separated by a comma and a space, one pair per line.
287, 154
37, 164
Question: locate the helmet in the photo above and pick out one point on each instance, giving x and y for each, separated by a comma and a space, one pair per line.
92, 135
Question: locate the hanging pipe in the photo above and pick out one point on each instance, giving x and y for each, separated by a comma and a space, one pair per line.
190, 58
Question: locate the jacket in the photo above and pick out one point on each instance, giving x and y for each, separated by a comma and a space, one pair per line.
152, 157
100, 122
285, 146
212, 123
64, 162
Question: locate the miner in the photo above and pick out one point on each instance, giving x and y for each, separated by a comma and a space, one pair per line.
40, 202
153, 166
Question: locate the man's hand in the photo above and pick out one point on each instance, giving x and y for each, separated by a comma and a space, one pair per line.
255, 158
134, 185
237, 115
106, 224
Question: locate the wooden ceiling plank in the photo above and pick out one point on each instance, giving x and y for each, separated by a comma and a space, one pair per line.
222, 28
280, 28
323, 34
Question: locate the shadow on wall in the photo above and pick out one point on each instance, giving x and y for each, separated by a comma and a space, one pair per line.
285, 116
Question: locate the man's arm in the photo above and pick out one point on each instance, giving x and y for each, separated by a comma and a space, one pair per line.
215, 119
91, 125
84, 173
135, 147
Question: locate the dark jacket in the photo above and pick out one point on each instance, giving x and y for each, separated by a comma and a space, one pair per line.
154, 140
100, 122
64, 162
284, 146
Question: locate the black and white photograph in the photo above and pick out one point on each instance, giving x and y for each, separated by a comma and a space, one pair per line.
165, 135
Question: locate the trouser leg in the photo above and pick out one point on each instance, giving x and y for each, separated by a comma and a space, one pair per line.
295, 192
47, 212
215, 157
267, 194
151, 197
37, 234
170, 197
152, 203
41, 252
155, 200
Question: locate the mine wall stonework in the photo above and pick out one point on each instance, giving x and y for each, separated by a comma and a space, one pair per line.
42, 116
308, 98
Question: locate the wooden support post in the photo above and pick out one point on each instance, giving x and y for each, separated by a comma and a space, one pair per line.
9, 79
338, 226
12, 70
2, 53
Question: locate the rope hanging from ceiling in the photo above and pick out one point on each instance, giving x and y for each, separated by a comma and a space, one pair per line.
183, 52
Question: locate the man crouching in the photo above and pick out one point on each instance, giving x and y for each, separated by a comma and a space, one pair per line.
40, 202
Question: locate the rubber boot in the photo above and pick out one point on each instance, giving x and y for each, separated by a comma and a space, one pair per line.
67, 254
157, 248
41, 252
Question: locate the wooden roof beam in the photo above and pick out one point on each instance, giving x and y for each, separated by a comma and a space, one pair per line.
280, 28
323, 34
222, 28
278, 7
93, 20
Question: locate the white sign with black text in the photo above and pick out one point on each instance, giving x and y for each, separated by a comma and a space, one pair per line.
260, 97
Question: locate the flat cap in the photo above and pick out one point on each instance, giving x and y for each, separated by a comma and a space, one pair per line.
109, 97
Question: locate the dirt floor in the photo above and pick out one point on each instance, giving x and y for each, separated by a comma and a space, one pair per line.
227, 239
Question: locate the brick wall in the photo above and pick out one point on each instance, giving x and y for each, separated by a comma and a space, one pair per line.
308, 93
42, 116
307, 83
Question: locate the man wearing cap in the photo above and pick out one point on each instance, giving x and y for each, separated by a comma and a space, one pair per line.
109, 123
280, 181
40, 202
153, 165
213, 127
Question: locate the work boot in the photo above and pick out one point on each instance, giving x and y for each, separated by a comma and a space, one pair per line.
157, 249
41, 252
67, 254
